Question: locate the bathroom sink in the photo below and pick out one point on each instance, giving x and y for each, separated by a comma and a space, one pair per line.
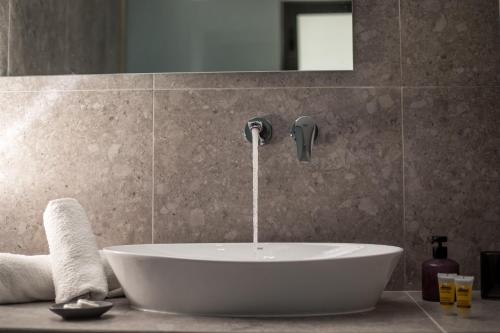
246, 279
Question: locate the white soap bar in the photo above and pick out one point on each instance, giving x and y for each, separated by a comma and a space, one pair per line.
85, 303
81, 304
71, 306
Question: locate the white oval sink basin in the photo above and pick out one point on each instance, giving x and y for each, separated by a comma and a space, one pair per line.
245, 279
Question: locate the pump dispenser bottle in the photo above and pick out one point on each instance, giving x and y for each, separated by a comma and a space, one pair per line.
438, 264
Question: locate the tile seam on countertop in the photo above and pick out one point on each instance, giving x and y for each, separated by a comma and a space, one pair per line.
441, 328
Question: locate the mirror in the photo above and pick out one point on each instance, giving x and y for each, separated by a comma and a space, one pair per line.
238, 35
151, 36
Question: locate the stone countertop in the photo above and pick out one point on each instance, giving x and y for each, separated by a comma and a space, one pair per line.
396, 312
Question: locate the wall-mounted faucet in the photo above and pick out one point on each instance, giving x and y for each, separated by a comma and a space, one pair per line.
259, 132
265, 130
305, 132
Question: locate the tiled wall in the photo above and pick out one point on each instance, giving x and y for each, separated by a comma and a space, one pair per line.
408, 146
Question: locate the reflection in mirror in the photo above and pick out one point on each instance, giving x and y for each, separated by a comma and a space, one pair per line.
317, 35
238, 35
151, 36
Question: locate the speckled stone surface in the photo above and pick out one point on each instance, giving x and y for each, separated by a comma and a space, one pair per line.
376, 58
484, 315
94, 146
395, 313
4, 35
65, 37
450, 42
350, 192
452, 139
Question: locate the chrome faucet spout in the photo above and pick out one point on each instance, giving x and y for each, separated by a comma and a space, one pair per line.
264, 127
305, 132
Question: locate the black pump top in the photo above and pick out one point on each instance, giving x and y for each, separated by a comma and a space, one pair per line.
439, 251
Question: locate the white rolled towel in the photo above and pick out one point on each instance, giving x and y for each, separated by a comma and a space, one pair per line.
76, 267
25, 278
29, 278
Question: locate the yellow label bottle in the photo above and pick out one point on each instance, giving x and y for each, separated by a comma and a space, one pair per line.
463, 285
447, 291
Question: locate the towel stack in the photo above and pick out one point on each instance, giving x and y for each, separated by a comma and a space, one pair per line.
74, 269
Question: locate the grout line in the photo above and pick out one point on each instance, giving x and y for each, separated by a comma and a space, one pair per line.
403, 183
278, 88
405, 279
451, 86
400, 43
189, 89
8, 38
74, 90
328, 87
244, 88
153, 170
427, 314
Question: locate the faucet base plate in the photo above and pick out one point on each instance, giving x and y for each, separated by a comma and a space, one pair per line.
266, 130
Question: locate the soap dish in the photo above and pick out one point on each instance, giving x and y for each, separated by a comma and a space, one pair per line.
81, 313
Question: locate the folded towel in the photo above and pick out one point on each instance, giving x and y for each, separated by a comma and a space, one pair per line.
76, 267
29, 278
25, 278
